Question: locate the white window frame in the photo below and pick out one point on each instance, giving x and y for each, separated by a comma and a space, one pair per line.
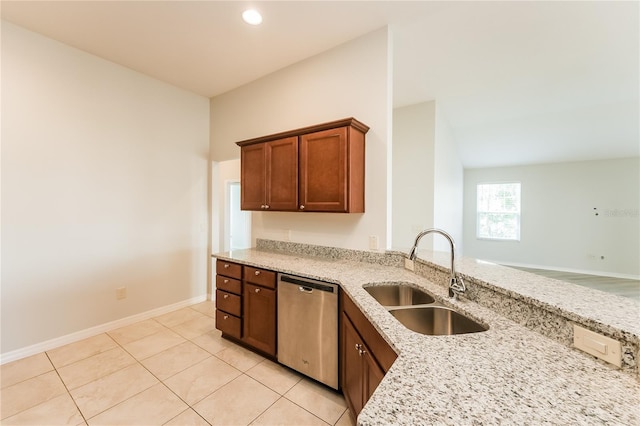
496, 209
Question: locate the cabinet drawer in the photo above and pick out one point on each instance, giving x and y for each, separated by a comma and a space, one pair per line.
228, 302
229, 269
260, 277
228, 284
228, 324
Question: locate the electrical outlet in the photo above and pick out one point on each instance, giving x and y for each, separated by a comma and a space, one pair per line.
596, 344
373, 242
121, 293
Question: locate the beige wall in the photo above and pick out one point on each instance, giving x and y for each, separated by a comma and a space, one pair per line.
351, 80
427, 178
559, 228
449, 186
104, 185
413, 173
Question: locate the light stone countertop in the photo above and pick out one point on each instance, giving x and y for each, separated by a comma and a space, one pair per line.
506, 375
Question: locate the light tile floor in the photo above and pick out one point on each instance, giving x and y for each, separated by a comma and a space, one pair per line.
174, 369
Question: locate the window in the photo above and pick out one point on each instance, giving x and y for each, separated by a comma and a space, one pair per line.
498, 211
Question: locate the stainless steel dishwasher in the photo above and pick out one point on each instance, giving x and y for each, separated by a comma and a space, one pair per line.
308, 327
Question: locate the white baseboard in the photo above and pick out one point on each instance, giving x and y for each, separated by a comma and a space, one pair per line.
93, 331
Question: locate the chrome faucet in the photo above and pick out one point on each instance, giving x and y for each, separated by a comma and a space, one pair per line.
456, 284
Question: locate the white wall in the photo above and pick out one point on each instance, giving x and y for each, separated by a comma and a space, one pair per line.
559, 228
104, 185
428, 178
413, 173
449, 186
350, 80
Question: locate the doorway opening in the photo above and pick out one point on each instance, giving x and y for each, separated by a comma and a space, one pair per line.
239, 224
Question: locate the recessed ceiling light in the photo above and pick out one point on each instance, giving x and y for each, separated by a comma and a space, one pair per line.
252, 16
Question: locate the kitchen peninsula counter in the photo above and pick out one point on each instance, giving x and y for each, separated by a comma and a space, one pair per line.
506, 375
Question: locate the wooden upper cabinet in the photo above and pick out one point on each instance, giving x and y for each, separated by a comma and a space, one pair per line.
332, 171
282, 174
314, 169
252, 177
269, 175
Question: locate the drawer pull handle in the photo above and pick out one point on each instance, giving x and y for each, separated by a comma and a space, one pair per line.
257, 290
226, 281
302, 207
226, 296
257, 272
225, 317
226, 265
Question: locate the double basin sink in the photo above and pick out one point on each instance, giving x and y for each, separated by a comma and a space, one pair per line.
418, 311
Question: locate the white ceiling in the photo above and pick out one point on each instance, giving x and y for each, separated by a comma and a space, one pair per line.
519, 82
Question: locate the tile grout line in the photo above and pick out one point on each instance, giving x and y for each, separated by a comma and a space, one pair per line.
313, 414
280, 396
190, 407
160, 381
242, 373
66, 388
120, 369
156, 377
136, 361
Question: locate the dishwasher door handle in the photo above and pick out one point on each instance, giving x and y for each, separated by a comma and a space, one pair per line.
305, 289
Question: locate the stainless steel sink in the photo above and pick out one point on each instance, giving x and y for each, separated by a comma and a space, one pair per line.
399, 295
436, 321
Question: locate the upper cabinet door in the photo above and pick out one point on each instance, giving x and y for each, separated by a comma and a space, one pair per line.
282, 174
269, 175
252, 177
332, 171
323, 171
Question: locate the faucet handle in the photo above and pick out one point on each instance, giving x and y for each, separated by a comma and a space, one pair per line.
457, 287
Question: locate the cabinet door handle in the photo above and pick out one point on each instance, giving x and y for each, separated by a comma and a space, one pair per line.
226, 265
301, 206
257, 272
225, 317
262, 206
226, 296
266, 206
257, 290
225, 281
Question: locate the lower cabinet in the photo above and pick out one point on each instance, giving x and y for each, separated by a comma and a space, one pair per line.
246, 305
353, 366
246, 309
365, 357
259, 328
229, 298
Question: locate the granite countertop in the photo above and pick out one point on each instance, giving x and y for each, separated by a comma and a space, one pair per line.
507, 375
